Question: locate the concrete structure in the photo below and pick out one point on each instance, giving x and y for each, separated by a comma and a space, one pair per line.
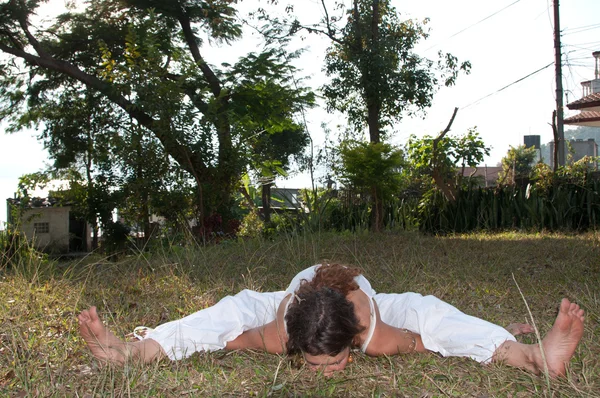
580, 149
50, 227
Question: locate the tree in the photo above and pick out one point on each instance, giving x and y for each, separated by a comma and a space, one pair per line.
80, 132
435, 161
517, 164
374, 168
376, 77
144, 57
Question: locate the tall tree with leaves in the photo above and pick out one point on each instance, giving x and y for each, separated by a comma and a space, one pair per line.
376, 76
198, 112
80, 132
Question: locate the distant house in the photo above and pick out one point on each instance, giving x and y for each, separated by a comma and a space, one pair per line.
285, 198
50, 227
589, 104
486, 176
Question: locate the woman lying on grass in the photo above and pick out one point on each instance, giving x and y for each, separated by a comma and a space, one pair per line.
329, 309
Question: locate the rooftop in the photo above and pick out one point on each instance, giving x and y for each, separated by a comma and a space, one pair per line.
585, 118
587, 102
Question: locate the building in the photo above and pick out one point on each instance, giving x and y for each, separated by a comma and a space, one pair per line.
50, 227
577, 149
589, 104
486, 176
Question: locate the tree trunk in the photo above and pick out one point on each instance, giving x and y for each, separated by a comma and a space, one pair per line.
373, 122
94, 235
377, 213
145, 217
266, 202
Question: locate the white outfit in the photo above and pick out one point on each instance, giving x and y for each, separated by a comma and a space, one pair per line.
443, 328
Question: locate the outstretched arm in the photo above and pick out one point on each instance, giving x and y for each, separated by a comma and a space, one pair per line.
268, 337
390, 340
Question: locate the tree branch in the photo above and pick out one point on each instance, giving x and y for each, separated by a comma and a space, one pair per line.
327, 21
375, 23
192, 42
32, 40
448, 190
178, 152
446, 130
190, 91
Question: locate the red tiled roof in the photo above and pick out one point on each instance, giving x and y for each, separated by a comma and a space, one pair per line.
585, 102
585, 116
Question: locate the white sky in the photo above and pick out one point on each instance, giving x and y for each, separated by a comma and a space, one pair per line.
502, 49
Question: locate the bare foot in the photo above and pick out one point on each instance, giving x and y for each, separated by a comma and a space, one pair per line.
101, 341
519, 328
561, 341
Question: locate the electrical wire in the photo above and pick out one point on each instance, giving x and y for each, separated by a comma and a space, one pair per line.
585, 27
508, 85
473, 25
569, 32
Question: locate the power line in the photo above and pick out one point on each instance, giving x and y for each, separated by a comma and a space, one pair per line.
508, 85
475, 24
569, 32
583, 27
584, 44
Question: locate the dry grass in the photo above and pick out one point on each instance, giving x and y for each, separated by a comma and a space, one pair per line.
41, 353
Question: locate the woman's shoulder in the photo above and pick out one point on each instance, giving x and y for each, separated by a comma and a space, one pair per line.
363, 308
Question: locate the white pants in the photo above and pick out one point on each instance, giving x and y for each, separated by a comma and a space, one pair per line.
443, 328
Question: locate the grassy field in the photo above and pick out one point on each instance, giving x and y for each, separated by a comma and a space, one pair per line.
42, 355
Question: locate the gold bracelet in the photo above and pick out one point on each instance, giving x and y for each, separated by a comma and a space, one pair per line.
413, 344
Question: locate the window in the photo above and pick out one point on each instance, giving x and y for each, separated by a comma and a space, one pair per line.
41, 227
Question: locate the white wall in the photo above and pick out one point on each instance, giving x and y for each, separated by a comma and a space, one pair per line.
57, 239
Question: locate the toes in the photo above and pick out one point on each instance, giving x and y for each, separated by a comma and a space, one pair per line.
84, 316
565, 305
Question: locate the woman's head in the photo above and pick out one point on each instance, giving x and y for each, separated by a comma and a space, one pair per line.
320, 321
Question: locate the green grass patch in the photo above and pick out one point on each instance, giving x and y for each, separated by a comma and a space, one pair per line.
41, 353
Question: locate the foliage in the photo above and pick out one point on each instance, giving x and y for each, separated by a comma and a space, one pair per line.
144, 60
252, 226
370, 167
517, 164
567, 200
14, 249
453, 154
376, 75
115, 238
373, 171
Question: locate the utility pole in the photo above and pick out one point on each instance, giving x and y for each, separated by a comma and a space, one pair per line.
560, 127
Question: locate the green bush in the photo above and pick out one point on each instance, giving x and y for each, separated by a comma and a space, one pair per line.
252, 225
15, 249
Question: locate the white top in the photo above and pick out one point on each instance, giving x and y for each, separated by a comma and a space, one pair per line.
363, 284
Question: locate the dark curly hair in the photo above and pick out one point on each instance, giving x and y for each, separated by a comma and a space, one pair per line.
320, 320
